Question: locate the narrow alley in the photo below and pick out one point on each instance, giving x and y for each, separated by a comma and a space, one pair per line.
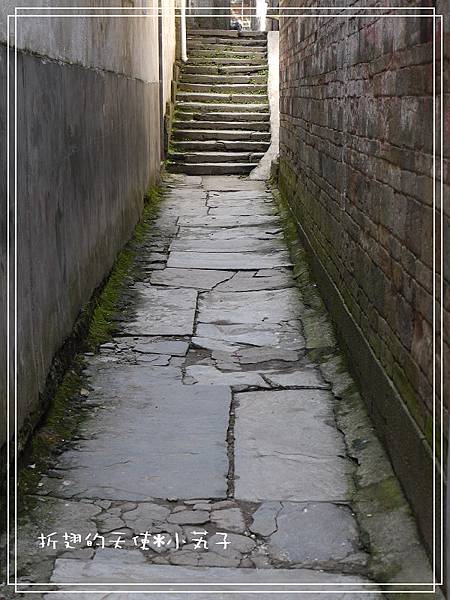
225, 300
224, 440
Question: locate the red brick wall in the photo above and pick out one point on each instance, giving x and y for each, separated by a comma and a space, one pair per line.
356, 165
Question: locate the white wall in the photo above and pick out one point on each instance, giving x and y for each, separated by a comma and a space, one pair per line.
169, 45
126, 45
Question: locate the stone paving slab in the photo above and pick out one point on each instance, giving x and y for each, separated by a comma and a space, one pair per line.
242, 209
167, 439
232, 221
250, 281
273, 306
301, 460
161, 312
200, 279
227, 184
228, 260
218, 245
263, 232
107, 567
287, 336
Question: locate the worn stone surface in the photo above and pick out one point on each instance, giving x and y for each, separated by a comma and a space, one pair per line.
110, 567
230, 519
274, 306
265, 518
228, 260
161, 312
130, 468
288, 335
306, 378
311, 533
302, 459
209, 375
200, 279
178, 450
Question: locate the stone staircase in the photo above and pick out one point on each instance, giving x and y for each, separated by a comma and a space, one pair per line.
222, 120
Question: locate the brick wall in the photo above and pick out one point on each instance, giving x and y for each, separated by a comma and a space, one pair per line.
356, 164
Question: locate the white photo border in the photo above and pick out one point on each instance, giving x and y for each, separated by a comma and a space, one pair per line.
152, 12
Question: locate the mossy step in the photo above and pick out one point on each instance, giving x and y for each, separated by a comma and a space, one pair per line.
179, 133
226, 53
212, 157
209, 60
224, 116
255, 42
193, 125
226, 33
215, 69
220, 145
254, 99
213, 80
199, 46
218, 106
210, 168
223, 88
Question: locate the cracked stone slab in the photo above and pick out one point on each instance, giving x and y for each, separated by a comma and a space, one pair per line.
244, 281
145, 516
152, 438
128, 566
226, 245
209, 375
230, 519
258, 355
201, 279
228, 184
284, 336
313, 533
305, 378
231, 221
265, 518
304, 456
228, 260
273, 306
163, 312
172, 348
230, 233
242, 209
212, 344
221, 198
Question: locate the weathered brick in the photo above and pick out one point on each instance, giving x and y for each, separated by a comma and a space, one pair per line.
356, 131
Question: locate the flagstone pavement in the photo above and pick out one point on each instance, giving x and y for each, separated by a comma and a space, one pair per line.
222, 419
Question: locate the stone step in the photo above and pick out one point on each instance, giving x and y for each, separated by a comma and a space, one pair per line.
211, 168
221, 61
254, 99
226, 53
238, 42
223, 79
214, 116
203, 69
226, 33
211, 47
223, 88
218, 106
220, 145
193, 125
212, 157
219, 134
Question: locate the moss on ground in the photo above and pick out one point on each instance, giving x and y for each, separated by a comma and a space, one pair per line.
102, 324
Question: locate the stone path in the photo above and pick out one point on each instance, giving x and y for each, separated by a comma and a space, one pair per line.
221, 412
